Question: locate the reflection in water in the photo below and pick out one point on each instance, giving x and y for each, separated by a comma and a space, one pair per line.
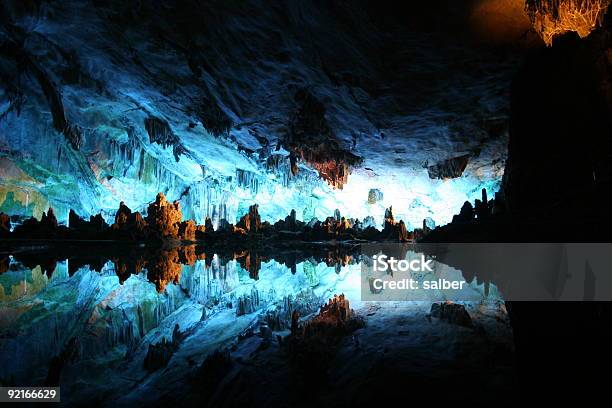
112, 306
165, 264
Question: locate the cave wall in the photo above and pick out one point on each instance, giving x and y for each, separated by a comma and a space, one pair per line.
560, 147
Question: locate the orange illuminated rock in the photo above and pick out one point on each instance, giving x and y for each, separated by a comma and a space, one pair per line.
187, 231
337, 309
123, 214
164, 268
334, 172
312, 140
250, 262
138, 223
187, 255
335, 318
164, 218
250, 222
200, 231
551, 18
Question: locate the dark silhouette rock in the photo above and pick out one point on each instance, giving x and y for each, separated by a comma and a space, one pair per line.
69, 354
466, 214
48, 220
453, 313
5, 225
4, 264
208, 225
123, 215
160, 354
450, 168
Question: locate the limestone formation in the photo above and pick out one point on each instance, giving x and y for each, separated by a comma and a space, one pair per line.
248, 303
164, 224
164, 268
164, 218
187, 231
389, 217
250, 222
394, 230
48, 220
450, 168
334, 320
208, 225
123, 214
95, 228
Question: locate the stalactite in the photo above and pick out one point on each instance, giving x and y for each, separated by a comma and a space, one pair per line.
554, 17
208, 284
248, 180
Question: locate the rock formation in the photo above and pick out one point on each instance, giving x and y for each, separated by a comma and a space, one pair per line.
164, 218
158, 355
248, 303
164, 224
466, 214
123, 214
250, 222
312, 139
394, 230
450, 168
48, 220
187, 231
163, 268
374, 196
453, 313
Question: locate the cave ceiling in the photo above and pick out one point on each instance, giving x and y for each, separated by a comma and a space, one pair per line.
306, 105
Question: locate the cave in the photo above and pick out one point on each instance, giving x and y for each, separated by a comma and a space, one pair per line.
197, 196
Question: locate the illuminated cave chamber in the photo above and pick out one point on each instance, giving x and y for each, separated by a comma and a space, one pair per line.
241, 110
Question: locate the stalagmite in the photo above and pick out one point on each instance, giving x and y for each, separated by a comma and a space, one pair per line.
164, 218
250, 222
158, 355
187, 231
122, 215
